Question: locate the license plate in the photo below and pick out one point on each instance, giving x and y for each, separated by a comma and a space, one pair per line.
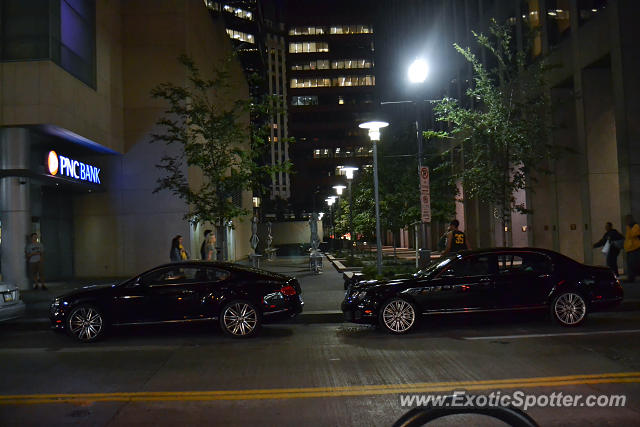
8, 297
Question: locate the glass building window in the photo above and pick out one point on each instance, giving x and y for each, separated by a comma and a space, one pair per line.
308, 47
304, 100
351, 63
354, 81
240, 13
239, 35
320, 64
303, 31
587, 9
559, 20
62, 31
351, 29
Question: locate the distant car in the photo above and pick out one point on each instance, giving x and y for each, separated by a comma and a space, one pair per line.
239, 298
11, 306
489, 280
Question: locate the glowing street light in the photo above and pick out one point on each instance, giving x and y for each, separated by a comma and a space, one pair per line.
418, 71
374, 134
339, 189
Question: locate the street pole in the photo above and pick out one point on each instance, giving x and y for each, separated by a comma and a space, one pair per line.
375, 190
423, 225
352, 238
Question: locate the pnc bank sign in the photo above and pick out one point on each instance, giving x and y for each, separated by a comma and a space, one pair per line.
57, 164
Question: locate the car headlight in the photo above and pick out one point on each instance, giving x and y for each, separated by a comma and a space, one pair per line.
360, 295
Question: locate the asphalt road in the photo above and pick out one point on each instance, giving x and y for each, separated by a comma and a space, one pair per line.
314, 374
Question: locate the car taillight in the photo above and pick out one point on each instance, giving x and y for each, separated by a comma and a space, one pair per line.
288, 290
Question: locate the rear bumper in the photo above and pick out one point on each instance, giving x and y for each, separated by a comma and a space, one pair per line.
291, 309
12, 311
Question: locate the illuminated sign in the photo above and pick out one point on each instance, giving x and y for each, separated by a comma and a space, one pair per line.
72, 168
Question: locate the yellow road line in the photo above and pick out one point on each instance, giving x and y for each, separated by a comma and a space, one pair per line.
313, 392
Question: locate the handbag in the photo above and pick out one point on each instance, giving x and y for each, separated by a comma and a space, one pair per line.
606, 247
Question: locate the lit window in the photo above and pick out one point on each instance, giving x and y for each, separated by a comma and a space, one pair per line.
239, 35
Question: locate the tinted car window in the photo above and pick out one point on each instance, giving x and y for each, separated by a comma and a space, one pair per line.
525, 262
173, 275
215, 275
479, 265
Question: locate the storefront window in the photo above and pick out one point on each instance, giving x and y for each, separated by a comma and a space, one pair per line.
559, 20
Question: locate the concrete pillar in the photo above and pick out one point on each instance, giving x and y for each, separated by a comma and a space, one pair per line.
15, 212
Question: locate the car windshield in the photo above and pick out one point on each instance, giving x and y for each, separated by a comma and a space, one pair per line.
435, 266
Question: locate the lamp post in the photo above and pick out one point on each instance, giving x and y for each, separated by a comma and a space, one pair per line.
330, 200
349, 170
374, 135
339, 189
417, 73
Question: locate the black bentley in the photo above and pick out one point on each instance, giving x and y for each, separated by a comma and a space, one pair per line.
486, 281
239, 298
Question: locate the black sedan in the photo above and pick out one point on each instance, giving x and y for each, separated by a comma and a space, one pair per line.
239, 298
486, 281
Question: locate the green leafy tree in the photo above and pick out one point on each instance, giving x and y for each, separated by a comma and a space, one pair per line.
505, 133
220, 135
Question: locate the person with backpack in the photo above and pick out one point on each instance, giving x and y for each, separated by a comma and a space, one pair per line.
611, 242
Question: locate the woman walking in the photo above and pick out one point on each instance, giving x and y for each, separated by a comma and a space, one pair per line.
178, 252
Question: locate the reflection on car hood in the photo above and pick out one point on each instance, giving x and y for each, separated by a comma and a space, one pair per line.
89, 288
367, 284
4, 287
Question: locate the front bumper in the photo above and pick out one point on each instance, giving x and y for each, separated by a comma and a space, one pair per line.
13, 311
359, 312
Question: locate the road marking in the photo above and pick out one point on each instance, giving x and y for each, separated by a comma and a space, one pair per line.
564, 334
314, 392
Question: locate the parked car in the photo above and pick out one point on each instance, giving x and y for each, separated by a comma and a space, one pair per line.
11, 305
239, 298
489, 280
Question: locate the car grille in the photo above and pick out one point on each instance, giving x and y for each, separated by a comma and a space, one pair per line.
9, 297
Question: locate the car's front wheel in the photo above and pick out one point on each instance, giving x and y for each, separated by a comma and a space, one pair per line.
240, 319
86, 323
569, 309
397, 316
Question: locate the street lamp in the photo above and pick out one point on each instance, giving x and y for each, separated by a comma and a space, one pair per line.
339, 189
330, 201
418, 71
374, 135
349, 170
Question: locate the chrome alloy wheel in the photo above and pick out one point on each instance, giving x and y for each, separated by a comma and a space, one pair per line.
85, 323
240, 319
570, 309
398, 316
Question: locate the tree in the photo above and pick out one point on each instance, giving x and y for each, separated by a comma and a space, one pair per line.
220, 134
505, 134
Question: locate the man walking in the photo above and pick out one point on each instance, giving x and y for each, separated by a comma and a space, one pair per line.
614, 238
632, 247
35, 254
456, 239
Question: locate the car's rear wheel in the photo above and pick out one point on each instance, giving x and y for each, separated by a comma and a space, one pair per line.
397, 316
569, 309
240, 319
86, 323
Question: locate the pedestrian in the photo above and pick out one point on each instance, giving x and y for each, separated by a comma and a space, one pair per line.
632, 247
612, 241
178, 252
456, 240
208, 248
35, 257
